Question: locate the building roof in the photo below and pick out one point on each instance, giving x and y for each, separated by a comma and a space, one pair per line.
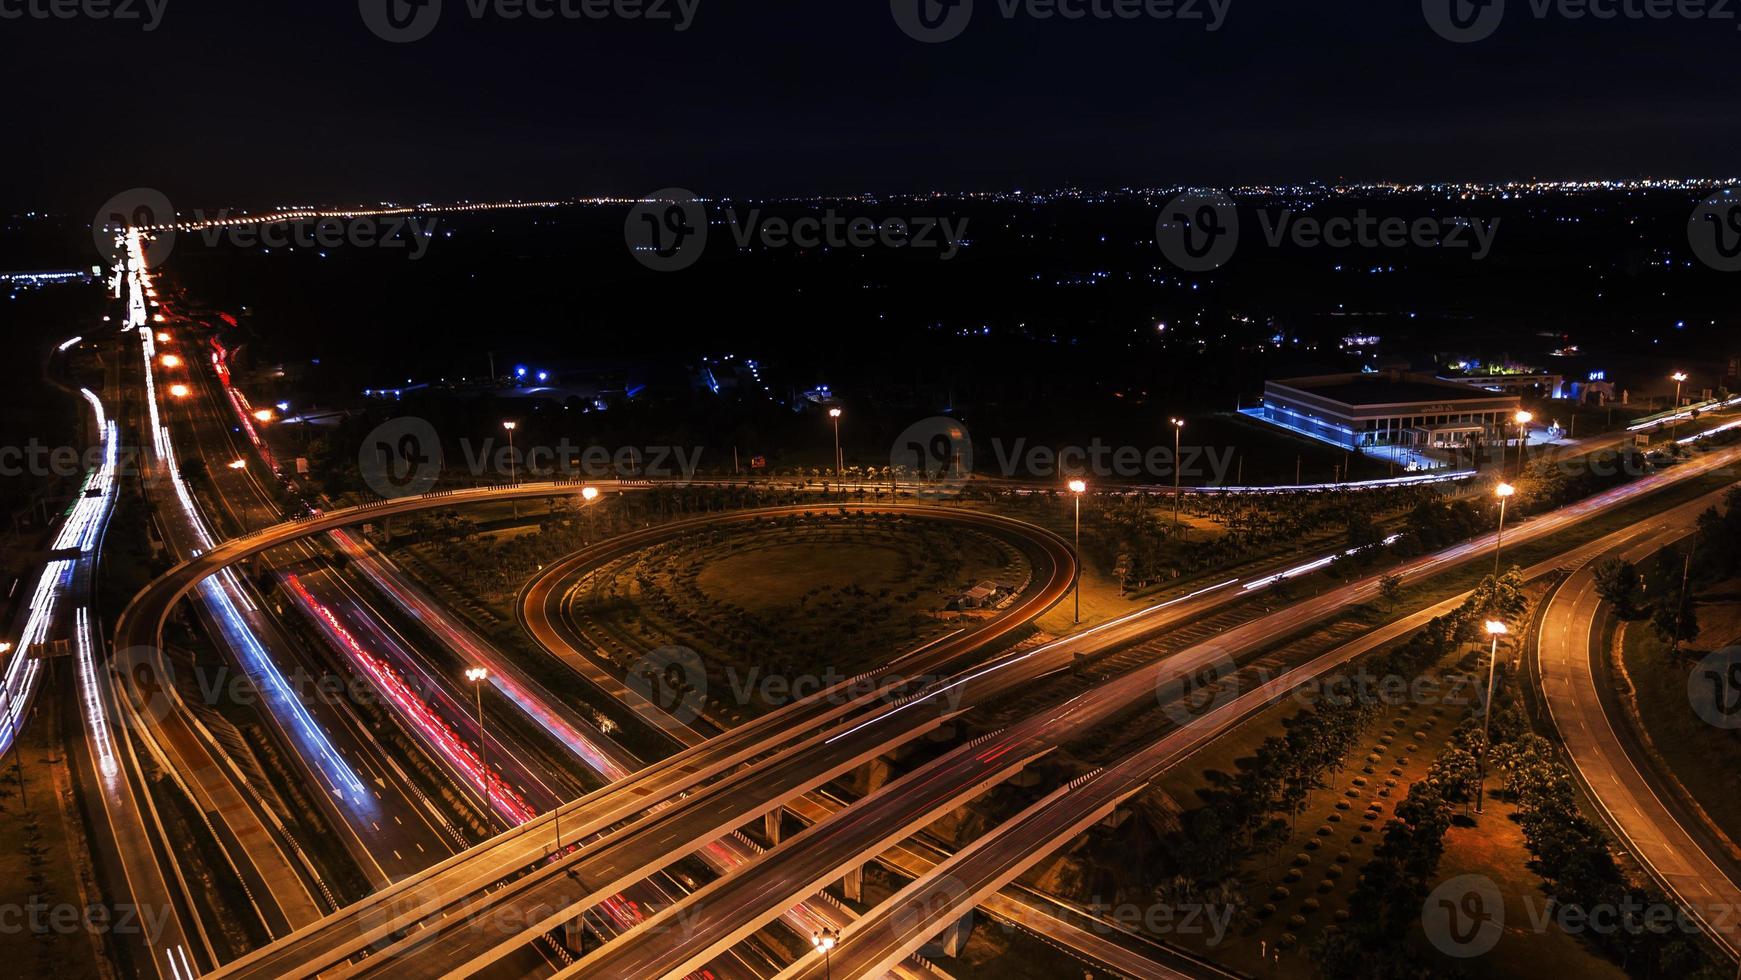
1379, 389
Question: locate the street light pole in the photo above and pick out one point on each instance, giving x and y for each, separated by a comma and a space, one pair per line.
823, 942
1078, 488
834, 414
1505, 492
1680, 379
513, 463
1178, 427
1496, 630
477, 676
1523, 421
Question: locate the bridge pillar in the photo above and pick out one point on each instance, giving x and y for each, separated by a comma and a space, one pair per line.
852, 886
771, 826
951, 941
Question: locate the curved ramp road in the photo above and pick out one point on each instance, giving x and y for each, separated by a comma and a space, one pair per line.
1569, 646
375, 922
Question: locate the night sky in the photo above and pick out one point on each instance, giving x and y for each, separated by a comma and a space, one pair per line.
263, 102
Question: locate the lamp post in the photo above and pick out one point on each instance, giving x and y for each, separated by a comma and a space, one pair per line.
1178, 427
477, 676
590, 495
513, 463
1495, 629
1505, 492
834, 416
1680, 379
824, 942
1078, 488
1523, 419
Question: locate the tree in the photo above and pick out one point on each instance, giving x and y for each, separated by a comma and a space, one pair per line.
1618, 582
1675, 621
1390, 589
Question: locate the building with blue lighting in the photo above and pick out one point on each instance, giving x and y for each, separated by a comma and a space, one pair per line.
1389, 410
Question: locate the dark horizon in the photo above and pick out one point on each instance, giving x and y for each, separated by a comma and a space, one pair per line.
257, 106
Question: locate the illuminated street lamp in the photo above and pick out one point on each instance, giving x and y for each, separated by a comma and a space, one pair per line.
170, 360
839, 464
1523, 419
513, 464
1178, 429
238, 464
1078, 487
477, 676
824, 942
1680, 379
1504, 492
263, 415
1495, 629
179, 391
590, 495
163, 336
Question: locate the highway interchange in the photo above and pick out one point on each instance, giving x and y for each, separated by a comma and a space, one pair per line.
455, 887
